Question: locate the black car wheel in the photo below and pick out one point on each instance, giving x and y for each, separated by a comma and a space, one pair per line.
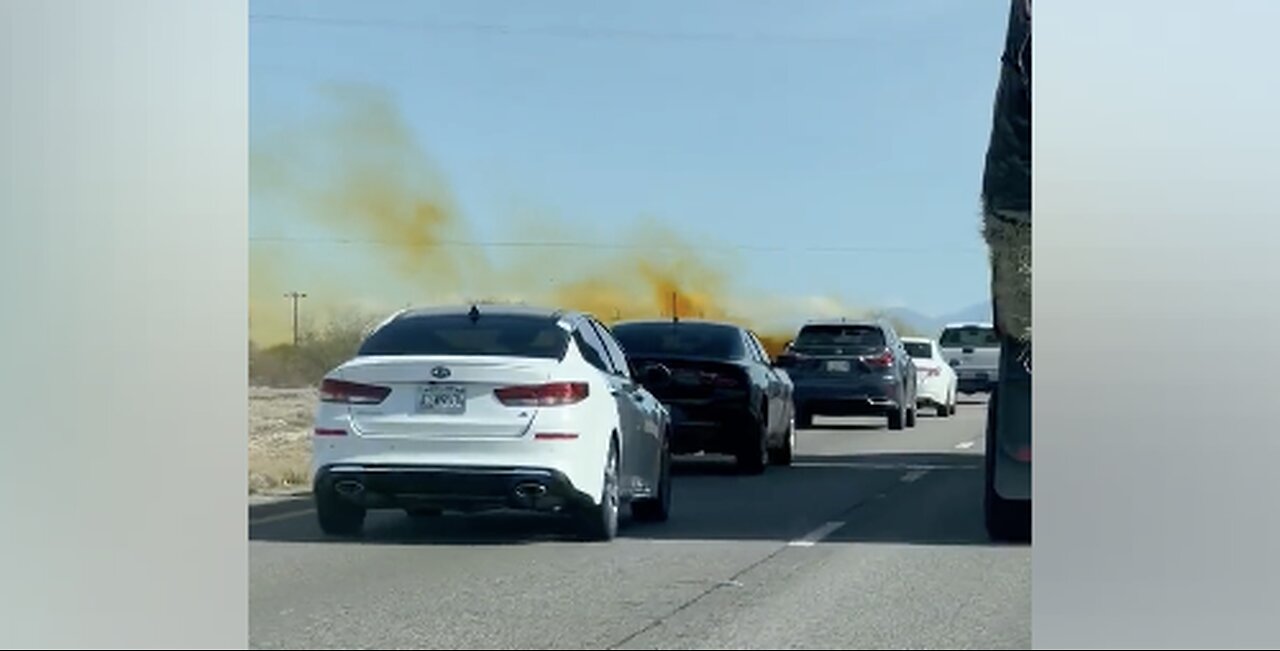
897, 418
804, 419
754, 453
783, 455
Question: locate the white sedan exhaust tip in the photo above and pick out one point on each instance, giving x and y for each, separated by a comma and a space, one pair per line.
349, 488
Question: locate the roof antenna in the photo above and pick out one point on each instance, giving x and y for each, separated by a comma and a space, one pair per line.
675, 309
474, 314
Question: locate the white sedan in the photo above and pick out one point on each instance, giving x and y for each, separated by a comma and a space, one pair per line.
935, 379
490, 407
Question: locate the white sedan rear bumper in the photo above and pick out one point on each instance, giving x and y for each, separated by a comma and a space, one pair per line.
934, 390
461, 469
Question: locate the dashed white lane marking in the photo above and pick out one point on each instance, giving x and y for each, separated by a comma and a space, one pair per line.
814, 537
913, 476
283, 516
966, 445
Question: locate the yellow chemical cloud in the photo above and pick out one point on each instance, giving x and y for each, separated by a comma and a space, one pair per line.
358, 175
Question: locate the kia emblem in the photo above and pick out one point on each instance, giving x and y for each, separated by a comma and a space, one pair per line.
440, 373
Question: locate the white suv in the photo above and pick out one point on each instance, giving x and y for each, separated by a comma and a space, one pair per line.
494, 407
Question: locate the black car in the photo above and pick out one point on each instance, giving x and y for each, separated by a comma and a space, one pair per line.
723, 393
851, 368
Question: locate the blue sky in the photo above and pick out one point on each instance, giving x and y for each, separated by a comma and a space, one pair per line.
848, 136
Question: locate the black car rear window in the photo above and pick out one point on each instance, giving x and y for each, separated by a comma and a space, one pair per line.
711, 341
490, 335
969, 337
919, 349
840, 336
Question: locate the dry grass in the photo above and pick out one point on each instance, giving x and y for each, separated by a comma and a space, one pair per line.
280, 413
280, 423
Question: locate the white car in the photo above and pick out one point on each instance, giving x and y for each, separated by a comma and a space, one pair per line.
936, 382
490, 407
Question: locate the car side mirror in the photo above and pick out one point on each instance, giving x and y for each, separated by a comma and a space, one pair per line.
657, 374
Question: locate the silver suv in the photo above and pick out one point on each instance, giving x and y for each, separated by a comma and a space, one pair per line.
973, 350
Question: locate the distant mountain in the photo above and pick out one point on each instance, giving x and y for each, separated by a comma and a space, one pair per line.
909, 318
925, 324
980, 312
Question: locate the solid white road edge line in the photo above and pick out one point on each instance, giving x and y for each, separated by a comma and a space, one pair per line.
814, 537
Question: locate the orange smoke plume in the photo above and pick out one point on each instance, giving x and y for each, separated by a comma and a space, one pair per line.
360, 176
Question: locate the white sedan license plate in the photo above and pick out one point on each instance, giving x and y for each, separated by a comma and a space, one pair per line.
838, 366
444, 400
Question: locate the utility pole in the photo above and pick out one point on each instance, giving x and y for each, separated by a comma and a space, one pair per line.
295, 297
675, 308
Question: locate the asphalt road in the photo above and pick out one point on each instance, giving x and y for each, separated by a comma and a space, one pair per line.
873, 540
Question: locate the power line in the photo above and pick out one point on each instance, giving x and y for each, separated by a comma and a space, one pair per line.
555, 31
342, 241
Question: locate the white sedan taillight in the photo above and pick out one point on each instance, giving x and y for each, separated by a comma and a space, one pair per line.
542, 395
352, 393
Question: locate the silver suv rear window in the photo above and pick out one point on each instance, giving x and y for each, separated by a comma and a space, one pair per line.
969, 337
839, 336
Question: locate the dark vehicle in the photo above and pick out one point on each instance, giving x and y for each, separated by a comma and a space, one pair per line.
851, 368
1006, 199
723, 393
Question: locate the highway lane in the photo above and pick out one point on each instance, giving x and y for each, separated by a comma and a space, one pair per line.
872, 540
